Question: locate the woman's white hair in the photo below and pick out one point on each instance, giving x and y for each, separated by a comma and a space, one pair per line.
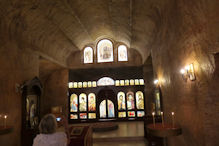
48, 124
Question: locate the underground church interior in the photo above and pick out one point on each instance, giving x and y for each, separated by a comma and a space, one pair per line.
109, 72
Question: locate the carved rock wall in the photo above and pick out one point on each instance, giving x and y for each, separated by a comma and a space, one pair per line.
187, 32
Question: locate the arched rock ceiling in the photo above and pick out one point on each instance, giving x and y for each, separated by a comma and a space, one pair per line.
59, 28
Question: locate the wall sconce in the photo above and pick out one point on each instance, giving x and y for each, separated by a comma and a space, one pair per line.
188, 72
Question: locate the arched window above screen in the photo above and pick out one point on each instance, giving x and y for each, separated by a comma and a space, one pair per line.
105, 81
88, 55
105, 51
122, 53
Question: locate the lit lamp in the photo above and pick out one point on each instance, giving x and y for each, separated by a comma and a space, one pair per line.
172, 119
162, 118
153, 113
188, 72
5, 117
156, 81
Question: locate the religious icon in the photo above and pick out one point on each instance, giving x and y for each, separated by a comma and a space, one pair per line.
73, 116
122, 53
139, 100
31, 110
88, 55
110, 109
91, 102
131, 114
83, 115
103, 109
121, 100
73, 103
83, 102
130, 100
122, 114
92, 116
105, 51
140, 113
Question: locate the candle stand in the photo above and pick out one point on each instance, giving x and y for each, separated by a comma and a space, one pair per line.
5, 130
163, 130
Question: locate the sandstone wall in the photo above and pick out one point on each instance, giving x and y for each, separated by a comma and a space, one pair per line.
187, 32
55, 87
16, 66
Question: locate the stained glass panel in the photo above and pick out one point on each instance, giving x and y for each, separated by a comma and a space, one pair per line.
84, 84
73, 116
140, 113
111, 112
83, 115
121, 100
130, 100
122, 82
126, 82
132, 82
105, 81
131, 114
122, 53
91, 102
105, 51
92, 115
83, 102
94, 84
139, 100
122, 114
73, 103
75, 85
89, 84
141, 81
88, 55
117, 82
136, 82
70, 85
79, 84
103, 109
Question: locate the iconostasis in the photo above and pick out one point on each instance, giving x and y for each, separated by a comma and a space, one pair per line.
93, 96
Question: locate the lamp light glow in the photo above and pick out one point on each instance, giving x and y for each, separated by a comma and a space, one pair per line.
156, 81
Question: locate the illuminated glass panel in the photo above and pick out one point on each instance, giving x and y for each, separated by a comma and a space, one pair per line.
85, 84
88, 55
130, 100
136, 82
111, 112
73, 103
83, 115
92, 115
122, 53
79, 84
94, 84
126, 82
122, 82
75, 85
139, 100
121, 100
70, 85
117, 82
73, 116
132, 82
140, 113
131, 114
122, 114
91, 102
83, 102
105, 81
105, 51
103, 109
89, 84
141, 81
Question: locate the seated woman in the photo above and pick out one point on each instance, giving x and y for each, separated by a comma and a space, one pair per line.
48, 135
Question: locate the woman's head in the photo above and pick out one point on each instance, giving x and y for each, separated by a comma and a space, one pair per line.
48, 124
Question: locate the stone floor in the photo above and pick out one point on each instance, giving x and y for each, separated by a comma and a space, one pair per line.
128, 134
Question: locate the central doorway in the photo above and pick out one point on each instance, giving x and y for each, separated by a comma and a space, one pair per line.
106, 99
